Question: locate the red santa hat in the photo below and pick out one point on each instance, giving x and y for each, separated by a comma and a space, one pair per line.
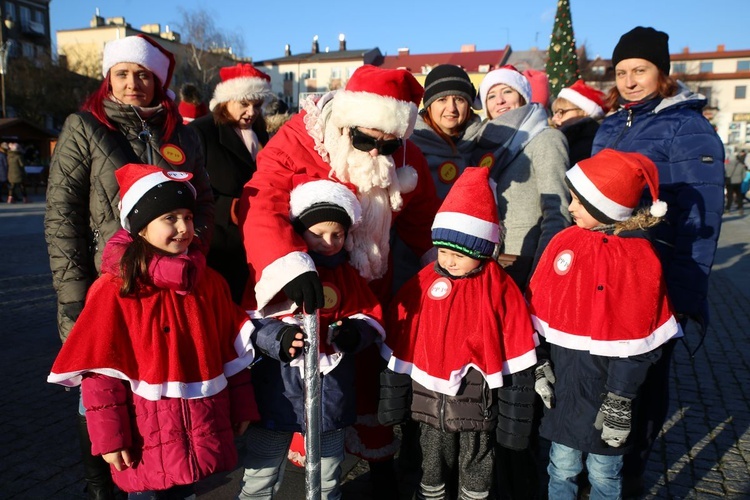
140, 49
587, 98
539, 82
507, 75
241, 82
467, 220
323, 201
382, 99
610, 185
147, 191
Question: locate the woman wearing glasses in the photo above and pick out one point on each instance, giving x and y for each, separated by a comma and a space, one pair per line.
577, 112
131, 118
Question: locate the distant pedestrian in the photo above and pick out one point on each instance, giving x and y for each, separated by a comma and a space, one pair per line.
16, 174
577, 112
734, 174
191, 103
4, 188
599, 299
160, 350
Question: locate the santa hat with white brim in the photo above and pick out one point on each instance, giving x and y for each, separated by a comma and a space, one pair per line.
590, 100
324, 201
142, 50
506, 75
241, 82
381, 99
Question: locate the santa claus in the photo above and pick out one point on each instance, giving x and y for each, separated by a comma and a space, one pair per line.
356, 136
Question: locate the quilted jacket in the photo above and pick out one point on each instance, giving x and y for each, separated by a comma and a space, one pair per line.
690, 157
83, 195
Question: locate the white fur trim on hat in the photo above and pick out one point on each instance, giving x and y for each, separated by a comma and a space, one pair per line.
593, 195
369, 110
467, 224
140, 187
591, 108
241, 89
506, 76
134, 49
324, 191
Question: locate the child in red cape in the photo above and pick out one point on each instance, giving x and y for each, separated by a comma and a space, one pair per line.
458, 329
599, 298
160, 350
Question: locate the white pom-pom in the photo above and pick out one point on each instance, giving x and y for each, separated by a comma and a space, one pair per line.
658, 208
407, 178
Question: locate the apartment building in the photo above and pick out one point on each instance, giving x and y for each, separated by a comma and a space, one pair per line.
24, 31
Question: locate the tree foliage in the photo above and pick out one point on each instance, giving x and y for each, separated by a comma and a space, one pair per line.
562, 60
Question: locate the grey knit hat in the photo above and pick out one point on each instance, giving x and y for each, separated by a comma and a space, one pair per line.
448, 79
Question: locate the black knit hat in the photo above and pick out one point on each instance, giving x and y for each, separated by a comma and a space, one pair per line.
322, 212
159, 200
643, 43
447, 79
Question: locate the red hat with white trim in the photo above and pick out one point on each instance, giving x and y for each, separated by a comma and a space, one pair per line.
377, 98
147, 191
143, 50
587, 98
241, 82
610, 185
467, 220
506, 75
323, 201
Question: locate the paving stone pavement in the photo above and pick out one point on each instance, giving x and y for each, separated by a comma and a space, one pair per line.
703, 452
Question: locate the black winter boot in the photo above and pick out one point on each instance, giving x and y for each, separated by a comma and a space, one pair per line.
99, 484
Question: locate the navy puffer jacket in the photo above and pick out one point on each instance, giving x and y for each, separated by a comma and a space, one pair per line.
690, 158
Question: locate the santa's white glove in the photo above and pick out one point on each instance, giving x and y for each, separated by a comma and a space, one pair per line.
545, 377
613, 419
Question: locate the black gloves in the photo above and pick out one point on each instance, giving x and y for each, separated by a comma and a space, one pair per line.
345, 334
394, 406
306, 290
286, 336
614, 419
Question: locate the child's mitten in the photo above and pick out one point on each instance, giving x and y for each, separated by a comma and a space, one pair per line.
614, 419
545, 377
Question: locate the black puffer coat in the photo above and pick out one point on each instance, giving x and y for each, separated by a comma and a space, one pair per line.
83, 195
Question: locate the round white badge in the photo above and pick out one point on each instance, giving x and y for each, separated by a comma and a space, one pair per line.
563, 261
177, 175
440, 289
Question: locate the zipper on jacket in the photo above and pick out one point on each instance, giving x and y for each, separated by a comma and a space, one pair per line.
486, 412
189, 436
95, 242
442, 412
145, 137
628, 124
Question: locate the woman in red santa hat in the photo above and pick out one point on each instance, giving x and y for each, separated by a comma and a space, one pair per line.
231, 136
460, 331
599, 299
577, 112
356, 136
160, 350
132, 117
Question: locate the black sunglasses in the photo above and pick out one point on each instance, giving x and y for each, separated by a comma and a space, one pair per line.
364, 142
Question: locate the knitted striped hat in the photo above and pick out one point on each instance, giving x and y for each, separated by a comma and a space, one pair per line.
467, 221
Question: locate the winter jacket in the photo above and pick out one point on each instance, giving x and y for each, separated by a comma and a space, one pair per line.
16, 172
83, 195
445, 164
3, 168
580, 135
690, 158
229, 165
532, 198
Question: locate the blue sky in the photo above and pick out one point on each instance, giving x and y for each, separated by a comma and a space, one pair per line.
431, 26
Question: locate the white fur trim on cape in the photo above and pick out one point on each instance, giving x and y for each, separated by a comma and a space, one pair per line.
134, 49
591, 108
355, 446
239, 89
591, 193
324, 191
365, 109
613, 348
407, 178
277, 274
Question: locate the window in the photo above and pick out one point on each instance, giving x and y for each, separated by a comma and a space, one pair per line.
706, 92
740, 91
27, 50
25, 15
10, 11
707, 67
743, 65
313, 73
336, 73
679, 68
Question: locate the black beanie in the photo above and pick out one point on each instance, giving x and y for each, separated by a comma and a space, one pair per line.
447, 79
159, 200
643, 43
322, 212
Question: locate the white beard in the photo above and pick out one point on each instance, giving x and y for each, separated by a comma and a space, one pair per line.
379, 193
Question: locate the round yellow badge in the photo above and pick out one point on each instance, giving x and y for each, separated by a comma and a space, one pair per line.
173, 154
487, 160
447, 172
331, 296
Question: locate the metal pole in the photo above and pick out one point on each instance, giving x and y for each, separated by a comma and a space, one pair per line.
2, 83
313, 410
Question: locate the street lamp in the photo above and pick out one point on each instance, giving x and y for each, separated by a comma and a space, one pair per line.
5, 47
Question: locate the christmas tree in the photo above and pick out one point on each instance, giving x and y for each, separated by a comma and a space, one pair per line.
562, 60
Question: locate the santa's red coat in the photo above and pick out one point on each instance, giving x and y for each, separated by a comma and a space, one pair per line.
601, 293
438, 328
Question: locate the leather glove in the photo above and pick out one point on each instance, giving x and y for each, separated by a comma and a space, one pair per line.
613, 419
306, 290
286, 336
545, 377
345, 334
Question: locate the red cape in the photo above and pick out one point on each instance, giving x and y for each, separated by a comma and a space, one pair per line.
438, 328
601, 293
165, 344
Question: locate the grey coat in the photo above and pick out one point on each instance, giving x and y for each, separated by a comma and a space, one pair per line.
82, 195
